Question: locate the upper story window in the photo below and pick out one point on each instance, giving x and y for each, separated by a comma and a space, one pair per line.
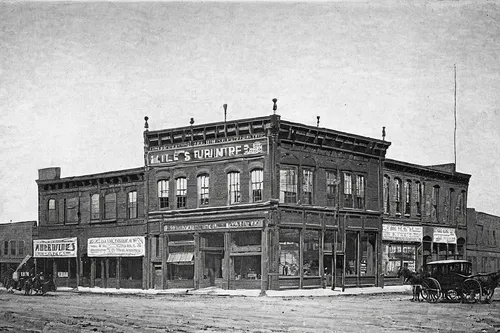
435, 203
163, 194
20, 248
419, 197
288, 185
398, 195
461, 205
348, 198
181, 192
13, 247
386, 195
51, 207
257, 179
331, 188
6, 247
203, 190
407, 197
307, 186
132, 204
72, 210
360, 192
95, 211
233, 187
110, 206
449, 204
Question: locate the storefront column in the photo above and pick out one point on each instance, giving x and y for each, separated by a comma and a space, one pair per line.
77, 266
92, 272
145, 263
301, 258
227, 260
118, 272
321, 258
103, 277
164, 257
106, 276
264, 265
198, 267
69, 272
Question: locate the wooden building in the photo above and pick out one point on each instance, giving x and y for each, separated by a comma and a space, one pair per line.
425, 215
262, 203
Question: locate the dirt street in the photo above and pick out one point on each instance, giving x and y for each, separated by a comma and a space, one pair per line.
72, 312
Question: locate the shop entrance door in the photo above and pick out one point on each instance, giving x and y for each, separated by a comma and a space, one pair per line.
213, 266
158, 277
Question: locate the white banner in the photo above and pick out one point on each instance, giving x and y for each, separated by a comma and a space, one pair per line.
444, 235
403, 233
55, 248
116, 246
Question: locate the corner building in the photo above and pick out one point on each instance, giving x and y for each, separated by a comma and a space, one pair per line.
262, 203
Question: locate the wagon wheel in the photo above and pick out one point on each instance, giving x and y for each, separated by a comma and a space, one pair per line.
452, 295
471, 291
431, 290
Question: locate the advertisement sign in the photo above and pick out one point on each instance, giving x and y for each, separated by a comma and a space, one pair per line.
116, 246
208, 151
55, 248
444, 235
215, 225
402, 233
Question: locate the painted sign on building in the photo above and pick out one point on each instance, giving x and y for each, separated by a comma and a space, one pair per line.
116, 246
402, 233
444, 235
215, 225
50, 248
223, 150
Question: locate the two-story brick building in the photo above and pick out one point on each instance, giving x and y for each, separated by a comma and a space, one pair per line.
15, 245
91, 228
425, 215
263, 203
483, 241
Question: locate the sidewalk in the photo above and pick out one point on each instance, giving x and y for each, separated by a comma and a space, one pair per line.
213, 291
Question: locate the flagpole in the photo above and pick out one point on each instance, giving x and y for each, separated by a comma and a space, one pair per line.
455, 115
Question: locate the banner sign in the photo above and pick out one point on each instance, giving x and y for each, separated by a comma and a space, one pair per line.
116, 246
444, 235
403, 233
215, 225
55, 248
231, 149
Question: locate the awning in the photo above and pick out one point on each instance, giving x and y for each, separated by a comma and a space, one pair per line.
180, 257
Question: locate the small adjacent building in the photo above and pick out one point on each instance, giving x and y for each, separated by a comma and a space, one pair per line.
15, 245
483, 241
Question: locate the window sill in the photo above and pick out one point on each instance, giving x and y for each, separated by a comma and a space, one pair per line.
103, 221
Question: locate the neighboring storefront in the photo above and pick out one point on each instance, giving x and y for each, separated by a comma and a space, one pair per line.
400, 244
57, 258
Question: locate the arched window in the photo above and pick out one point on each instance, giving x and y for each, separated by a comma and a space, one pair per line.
307, 186
233, 186
288, 184
418, 198
398, 195
408, 197
51, 207
163, 194
203, 190
386, 195
110, 206
132, 204
181, 192
435, 203
20, 248
257, 183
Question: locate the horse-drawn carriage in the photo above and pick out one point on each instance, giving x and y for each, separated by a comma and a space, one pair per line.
452, 280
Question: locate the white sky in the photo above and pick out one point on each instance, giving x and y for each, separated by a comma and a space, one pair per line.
77, 79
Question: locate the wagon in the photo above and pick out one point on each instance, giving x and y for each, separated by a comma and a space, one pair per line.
453, 280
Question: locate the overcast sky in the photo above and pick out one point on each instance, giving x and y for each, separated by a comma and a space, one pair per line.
77, 79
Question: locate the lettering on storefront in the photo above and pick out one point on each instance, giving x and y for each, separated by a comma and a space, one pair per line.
444, 235
203, 153
403, 233
215, 225
116, 246
55, 248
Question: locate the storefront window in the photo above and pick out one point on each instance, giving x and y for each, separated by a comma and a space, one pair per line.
131, 268
180, 260
351, 250
311, 253
368, 254
289, 252
395, 256
247, 267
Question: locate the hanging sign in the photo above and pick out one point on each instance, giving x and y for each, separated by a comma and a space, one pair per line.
444, 235
402, 233
116, 246
50, 248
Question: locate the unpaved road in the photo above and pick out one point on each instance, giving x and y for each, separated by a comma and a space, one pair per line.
72, 312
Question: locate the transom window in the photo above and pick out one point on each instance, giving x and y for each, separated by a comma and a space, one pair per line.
307, 186
256, 178
163, 194
288, 185
181, 192
233, 184
203, 190
132, 204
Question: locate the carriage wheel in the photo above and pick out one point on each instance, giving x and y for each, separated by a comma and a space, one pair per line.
452, 295
431, 290
471, 291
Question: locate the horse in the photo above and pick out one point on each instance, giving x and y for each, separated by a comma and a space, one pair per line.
415, 280
489, 282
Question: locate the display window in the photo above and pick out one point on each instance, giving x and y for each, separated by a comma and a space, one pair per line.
351, 254
289, 250
180, 260
395, 256
247, 267
310, 263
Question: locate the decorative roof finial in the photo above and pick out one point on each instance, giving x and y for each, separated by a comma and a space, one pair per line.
191, 121
317, 123
225, 111
275, 107
383, 133
146, 125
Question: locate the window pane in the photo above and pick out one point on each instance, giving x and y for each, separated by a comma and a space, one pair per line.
360, 192
256, 177
289, 252
288, 185
110, 206
348, 198
307, 187
163, 194
181, 192
233, 182
95, 207
132, 204
203, 190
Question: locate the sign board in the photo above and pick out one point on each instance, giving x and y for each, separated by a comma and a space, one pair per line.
215, 225
55, 248
208, 151
402, 233
116, 246
444, 235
